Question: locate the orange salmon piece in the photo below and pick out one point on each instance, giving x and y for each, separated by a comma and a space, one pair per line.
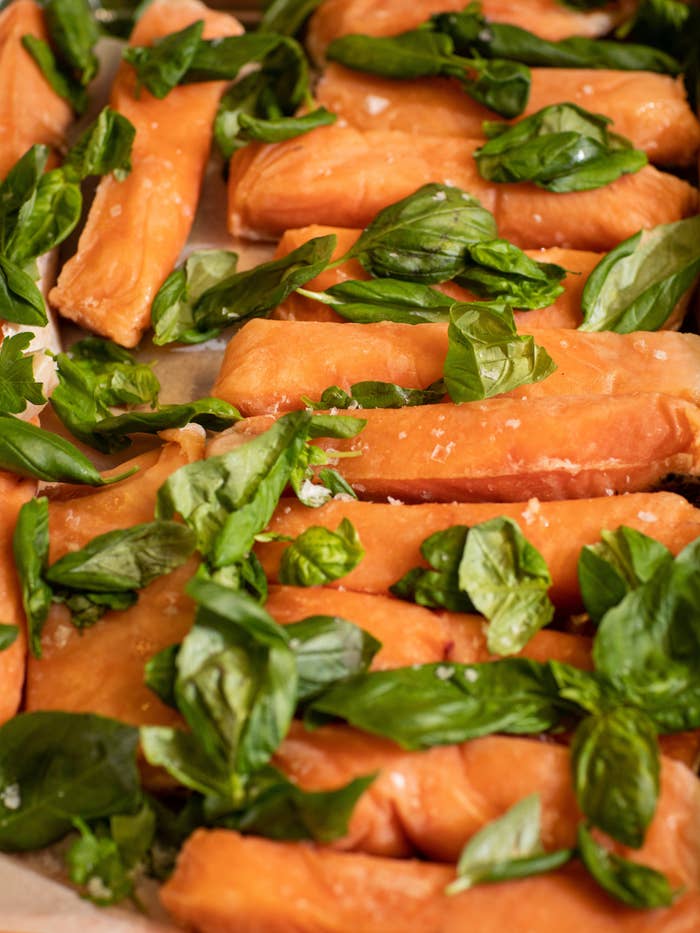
413, 356
339, 176
546, 18
510, 449
14, 492
30, 110
564, 312
651, 110
226, 883
100, 669
392, 534
136, 228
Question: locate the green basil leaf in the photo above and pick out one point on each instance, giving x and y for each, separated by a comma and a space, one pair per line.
247, 575
503, 86
386, 300
104, 147
442, 704
615, 763
88, 608
506, 578
160, 672
212, 413
171, 313
133, 834
335, 483
30, 546
423, 237
286, 17
621, 562
17, 383
278, 130
438, 588
638, 284
342, 427
501, 270
222, 59
20, 299
319, 555
560, 148
486, 356
183, 757
45, 219
56, 767
94, 862
38, 454
60, 82
634, 884
19, 185
161, 66
74, 35
379, 395
125, 559
8, 635
587, 689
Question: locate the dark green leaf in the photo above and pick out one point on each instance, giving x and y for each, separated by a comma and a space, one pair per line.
438, 588
212, 413
587, 689
63, 84
500, 270
380, 395
386, 300
615, 763
318, 555
45, 219
74, 34
560, 148
286, 16
222, 59
133, 834
160, 672
247, 574
638, 284
503, 86
161, 66
278, 130
94, 862
19, 186
634, 884
486, 356
87, 608
17, 383
20, 299
56, 767
30, 546
8, 635
104, 147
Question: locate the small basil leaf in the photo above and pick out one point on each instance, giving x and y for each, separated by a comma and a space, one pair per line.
587, 689
104, 147
160, 672
387, 300
503, 86
439, 587
212, 413
63, 85
423, 238
182, 756
30, 546
133, 834
221, 59
415, 54
94, 862
247, 575
380, 395
286, 17
8, 635
88, 608
486, 356
56, 767
19, 186
20, 299
46, 219
161, 66
634, 884
638, 284
282, 128
17, 383
335, 483
507, 579
74, 34
319, 555
498, 269
615, 763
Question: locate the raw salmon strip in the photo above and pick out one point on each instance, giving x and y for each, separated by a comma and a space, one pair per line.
225, 883
136, 228
93, 670
392, 534
564, 312
413, 356
651, 110
30, 111
434, 801
508, 449
546, 18
14, 492
339, 176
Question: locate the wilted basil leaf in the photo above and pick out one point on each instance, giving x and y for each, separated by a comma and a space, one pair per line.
319, 555
21, 302
385, 300
30, 546
161, 66
212, 413
498, 269
104, 147
60, 82
45, 219
439, 587
379, 395
17, 383
74, 35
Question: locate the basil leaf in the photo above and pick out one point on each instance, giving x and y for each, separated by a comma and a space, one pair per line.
319, 555
19, 185
501, 270
442, 704
212, 413
45, 219
257, 291
286, 16
507, 579
222, 59
60, 82
438, 588
385, 300
247, 575
104, 147
171, 313
30, 546
161, 66
38, 454
560, 148
133, 834
486, 356
278, 130
503, 86
125, 559
55, 767
379, 395
615, 763
8, 635
634, 884
621, 562
74, 35
17, 383
638, 284
423, 237
94, 862
587, 689
160, 672
20, 299
328, 649
508, 847
88, 608
183, 757
473, 35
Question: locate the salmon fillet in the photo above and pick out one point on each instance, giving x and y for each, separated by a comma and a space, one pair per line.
651, 110
137, 228
339, 176
30, 110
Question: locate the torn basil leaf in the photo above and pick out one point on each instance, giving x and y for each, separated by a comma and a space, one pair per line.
30, 547
161, 66
104, 147
560, 148
21, 302
319, 556
379, 395
638, 285
8, 635
438, 588
500, 270
486, 356
17, 383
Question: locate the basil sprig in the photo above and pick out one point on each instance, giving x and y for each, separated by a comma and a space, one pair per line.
638, 285
560, 148
319, 556
504, 86
17, 383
